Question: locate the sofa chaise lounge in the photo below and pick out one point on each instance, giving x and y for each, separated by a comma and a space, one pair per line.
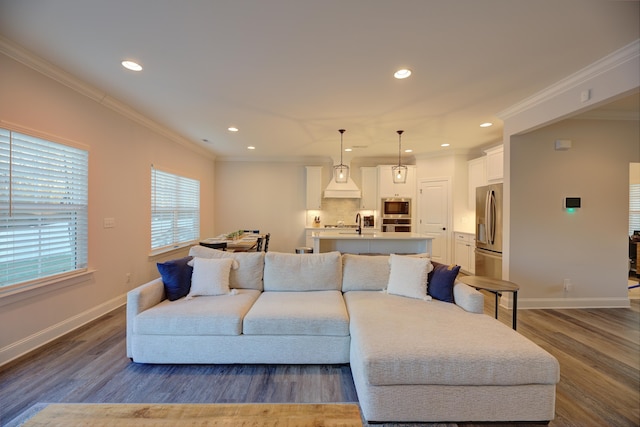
413, 358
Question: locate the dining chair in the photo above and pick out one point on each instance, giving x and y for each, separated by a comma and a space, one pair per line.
266, 241
259, 244
220, 245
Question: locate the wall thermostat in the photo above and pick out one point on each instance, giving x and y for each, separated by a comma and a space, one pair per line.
572, 202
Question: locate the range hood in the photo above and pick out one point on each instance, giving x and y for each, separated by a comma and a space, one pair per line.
347, 190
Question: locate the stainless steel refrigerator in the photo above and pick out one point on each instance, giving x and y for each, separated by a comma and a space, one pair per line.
489, 231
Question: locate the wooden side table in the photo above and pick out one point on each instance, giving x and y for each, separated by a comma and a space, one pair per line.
497, 287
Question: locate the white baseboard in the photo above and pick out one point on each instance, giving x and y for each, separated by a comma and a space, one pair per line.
32, 342
530, 303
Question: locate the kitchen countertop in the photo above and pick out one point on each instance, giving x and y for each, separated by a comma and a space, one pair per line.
350, 234
329, 228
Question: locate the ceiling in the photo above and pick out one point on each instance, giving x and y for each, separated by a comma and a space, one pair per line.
290, 73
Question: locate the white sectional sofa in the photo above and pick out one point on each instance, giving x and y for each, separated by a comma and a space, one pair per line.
413, 358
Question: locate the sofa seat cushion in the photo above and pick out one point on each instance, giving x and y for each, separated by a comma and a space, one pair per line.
298, 313
407, 341
206, 315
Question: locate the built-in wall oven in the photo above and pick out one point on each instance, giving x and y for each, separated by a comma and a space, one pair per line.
396, 215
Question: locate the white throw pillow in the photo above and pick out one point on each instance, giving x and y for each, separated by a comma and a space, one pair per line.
210, 277
408, 276
248, 275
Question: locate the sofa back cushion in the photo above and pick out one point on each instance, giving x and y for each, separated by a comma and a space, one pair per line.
248, 275
364, 272
302, 272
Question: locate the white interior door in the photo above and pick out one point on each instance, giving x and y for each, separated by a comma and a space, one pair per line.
433, 214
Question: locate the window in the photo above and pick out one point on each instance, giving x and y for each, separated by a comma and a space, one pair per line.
175, 210
43, 208
634, 208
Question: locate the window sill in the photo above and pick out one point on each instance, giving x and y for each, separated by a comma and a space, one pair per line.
167, 249
21, 292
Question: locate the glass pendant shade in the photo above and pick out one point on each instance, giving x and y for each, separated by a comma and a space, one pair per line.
341, 172
399, 172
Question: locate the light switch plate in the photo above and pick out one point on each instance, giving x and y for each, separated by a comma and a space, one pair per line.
108, 222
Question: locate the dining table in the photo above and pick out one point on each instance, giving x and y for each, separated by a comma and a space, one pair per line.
244, 243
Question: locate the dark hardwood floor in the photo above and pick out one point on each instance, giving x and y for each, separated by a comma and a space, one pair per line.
598, 350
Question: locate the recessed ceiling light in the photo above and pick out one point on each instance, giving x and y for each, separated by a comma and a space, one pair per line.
348, 150
402, 73
486, 125
408, 150
130, 65
232, 129
251, 147
445, 145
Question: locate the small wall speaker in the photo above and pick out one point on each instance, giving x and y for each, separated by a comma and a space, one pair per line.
563, 144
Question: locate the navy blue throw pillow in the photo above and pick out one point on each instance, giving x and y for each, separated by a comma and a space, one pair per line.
440, 281
176, 276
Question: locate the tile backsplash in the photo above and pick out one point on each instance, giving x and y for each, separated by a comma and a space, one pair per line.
334, 210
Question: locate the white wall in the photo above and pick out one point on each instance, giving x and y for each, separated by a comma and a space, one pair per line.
269, 196
590, 245
120, 154
614, 76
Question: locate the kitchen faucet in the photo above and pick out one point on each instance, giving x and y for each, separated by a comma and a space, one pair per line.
359, 222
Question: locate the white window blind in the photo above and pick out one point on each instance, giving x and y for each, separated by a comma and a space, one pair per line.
634, 208
43, 208
175, 210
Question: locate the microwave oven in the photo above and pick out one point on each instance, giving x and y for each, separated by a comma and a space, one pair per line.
396, 208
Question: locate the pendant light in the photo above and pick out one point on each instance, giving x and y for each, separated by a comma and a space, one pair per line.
341, 172
399, 172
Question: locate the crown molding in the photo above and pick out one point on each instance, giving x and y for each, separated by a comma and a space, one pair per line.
611, 61
12, 50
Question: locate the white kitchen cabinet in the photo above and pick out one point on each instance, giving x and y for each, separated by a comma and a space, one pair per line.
308, 238
477, 178
314, 187
495, 164
387, 188
369, 187
464, 252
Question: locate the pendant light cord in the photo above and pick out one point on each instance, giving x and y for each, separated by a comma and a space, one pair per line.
399, 147
341, 132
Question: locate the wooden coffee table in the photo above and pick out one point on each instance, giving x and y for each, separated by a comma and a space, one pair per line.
497, 287
175, 415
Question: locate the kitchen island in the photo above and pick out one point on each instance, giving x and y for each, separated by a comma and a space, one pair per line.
371, 242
